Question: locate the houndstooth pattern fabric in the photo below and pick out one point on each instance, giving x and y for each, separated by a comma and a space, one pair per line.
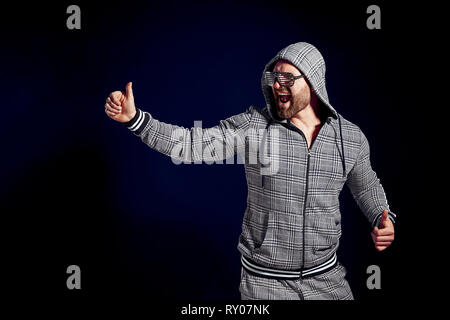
292, 219
279, 229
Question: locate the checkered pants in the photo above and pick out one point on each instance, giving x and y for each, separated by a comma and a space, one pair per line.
330, 285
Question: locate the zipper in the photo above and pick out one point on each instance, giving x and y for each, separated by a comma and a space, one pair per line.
306, 193
304, 210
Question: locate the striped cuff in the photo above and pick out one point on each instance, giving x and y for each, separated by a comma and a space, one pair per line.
391, 216
138, 123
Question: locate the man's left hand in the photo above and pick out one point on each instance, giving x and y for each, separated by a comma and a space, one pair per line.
383, 235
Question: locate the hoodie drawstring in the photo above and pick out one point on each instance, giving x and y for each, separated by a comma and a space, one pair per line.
342, 142
342, 145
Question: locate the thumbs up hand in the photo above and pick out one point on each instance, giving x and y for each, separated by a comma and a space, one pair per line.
120, 106
383, 235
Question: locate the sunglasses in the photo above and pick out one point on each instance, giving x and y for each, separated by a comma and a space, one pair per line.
285, 79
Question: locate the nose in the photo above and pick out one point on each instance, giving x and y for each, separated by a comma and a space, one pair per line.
276, 85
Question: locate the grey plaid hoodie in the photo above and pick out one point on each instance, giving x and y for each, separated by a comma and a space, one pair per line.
292, 222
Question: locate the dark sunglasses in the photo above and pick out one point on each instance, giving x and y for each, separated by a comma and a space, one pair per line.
285, 79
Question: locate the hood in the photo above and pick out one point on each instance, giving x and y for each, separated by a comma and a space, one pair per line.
310, 62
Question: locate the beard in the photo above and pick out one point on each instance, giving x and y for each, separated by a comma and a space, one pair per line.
294, 106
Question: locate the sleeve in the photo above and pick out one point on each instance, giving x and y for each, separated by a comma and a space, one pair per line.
196, 144
366, 187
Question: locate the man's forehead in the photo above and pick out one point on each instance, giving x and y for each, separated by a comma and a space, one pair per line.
286, 66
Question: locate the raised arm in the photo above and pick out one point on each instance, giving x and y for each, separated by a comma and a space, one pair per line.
181, 144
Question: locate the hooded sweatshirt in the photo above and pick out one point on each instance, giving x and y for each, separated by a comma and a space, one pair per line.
292, 222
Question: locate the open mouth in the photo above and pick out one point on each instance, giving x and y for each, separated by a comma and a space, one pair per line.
284, 98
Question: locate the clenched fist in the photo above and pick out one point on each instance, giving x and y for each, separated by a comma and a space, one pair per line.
120, 106
383, 235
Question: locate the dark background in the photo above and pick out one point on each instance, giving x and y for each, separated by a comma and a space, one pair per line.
78, 188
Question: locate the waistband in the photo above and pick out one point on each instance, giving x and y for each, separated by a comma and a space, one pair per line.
268, 272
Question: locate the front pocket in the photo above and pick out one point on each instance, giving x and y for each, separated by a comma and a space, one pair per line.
322, 231
265, 232
254, 227
260, 237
